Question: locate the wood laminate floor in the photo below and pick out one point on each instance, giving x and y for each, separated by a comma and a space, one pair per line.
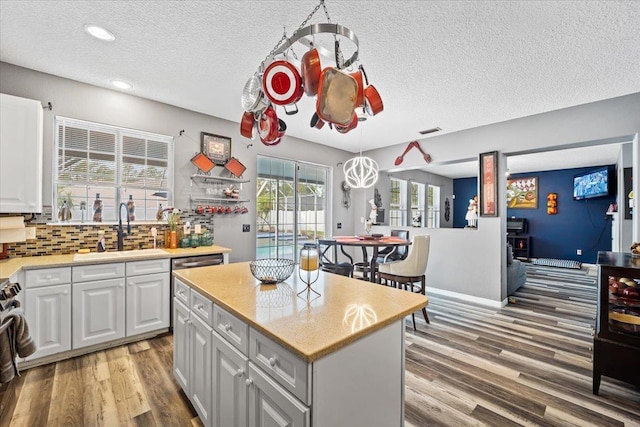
526, 364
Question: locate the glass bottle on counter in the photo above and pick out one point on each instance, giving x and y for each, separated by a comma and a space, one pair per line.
131, 208
97, 209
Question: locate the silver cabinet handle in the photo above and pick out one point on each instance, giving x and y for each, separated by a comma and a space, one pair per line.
240, 372
272, 361
199, 306
65, 292
227, 327
248, 382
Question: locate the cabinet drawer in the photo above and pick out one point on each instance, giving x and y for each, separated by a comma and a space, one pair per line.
150, 266
283, 365
230, 327
201, 306
182, 292
86, 273
47, 277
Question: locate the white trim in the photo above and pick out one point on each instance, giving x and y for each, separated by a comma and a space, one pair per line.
482, 301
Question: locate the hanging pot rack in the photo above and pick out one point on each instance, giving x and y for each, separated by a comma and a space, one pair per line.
270, 85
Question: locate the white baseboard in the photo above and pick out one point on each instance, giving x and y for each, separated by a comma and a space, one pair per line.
470, 298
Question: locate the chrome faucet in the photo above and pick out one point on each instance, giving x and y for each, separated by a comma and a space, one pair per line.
120, 231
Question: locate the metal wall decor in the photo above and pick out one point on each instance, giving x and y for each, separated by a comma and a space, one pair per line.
216, 147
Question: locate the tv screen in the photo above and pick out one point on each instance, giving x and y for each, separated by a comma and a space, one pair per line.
592, 184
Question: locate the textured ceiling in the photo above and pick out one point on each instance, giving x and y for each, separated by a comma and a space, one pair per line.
451, 64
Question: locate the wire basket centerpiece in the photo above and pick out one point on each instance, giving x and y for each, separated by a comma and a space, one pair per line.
272, 270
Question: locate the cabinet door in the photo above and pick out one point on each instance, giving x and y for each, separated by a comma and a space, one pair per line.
48, 312
98, 312
147, 303
272, 405
200, 367
229, 389
20, 155
181, 344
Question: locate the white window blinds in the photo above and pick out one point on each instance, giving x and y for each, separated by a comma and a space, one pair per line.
113, 164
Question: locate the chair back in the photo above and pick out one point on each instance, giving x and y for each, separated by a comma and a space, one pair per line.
401, 251
416, 262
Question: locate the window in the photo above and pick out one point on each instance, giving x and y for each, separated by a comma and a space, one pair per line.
433, 206
291, 206
115, 163
398, 202
417, 204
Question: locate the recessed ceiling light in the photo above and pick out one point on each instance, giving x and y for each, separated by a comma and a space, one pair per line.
99, 32
121, 84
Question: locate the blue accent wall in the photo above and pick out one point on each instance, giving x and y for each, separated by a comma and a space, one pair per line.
579, 224
464, 189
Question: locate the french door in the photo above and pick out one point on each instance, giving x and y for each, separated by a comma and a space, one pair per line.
291, 206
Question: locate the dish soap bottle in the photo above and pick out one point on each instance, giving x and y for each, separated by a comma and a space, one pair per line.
101, 242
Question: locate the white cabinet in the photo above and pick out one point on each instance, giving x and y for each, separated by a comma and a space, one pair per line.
20, 155
229, 408
200, 367
181, 345
272, 405
148, 295
98, 312
192, 342
48, 312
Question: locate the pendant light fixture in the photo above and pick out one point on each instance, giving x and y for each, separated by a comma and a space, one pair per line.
361, 171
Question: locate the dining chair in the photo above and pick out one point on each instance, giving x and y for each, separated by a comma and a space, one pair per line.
328, 258
409, 274
394, 253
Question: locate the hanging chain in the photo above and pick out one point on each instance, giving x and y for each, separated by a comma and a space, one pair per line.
304, 23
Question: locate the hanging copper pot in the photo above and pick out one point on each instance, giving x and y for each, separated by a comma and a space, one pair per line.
373, 102
337, 93
247, 124
311, 72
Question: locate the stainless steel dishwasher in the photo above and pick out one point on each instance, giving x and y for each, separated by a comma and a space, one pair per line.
191, 262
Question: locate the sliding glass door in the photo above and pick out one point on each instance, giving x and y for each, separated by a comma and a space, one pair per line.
291, 206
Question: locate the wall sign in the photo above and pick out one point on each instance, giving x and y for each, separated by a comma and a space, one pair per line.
488, 184
216, 147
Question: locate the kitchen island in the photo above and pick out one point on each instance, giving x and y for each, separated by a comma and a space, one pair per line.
262, 354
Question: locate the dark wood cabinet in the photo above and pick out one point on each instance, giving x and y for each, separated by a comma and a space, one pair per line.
616, 347
521, 244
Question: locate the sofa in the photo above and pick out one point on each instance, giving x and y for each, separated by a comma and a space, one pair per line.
516, 272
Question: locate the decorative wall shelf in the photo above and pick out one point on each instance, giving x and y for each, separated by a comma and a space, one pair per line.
217, 179
205, 199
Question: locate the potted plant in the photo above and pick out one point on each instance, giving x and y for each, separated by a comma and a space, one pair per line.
173, 219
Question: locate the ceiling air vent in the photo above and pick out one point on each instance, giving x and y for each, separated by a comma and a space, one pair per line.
432, 130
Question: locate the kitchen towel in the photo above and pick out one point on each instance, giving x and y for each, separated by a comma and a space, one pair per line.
15, 341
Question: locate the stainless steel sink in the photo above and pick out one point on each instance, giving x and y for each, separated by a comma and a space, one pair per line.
100, 256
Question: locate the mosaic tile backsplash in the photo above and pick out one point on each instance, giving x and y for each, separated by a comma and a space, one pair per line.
54, 239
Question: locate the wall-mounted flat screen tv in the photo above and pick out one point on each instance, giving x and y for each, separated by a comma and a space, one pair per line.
595, 183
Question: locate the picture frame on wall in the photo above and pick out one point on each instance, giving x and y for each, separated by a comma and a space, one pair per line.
488, 184
216, 147
522, 193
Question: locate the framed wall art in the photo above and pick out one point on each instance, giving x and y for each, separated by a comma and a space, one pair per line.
522, 193
488, 184
216, 147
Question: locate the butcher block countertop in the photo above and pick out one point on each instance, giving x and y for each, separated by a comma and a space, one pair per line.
11, 266
311, 326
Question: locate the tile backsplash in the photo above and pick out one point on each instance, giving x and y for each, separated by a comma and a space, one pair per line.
54, 239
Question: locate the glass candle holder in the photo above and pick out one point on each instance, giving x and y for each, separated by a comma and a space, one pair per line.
309, 264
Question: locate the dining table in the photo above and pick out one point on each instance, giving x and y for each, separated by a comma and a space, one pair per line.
374, 242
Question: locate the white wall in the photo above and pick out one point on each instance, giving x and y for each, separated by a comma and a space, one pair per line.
78, 100
478, 272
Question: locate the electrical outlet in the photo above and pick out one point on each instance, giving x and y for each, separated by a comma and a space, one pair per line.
339, 225
579, 252
246, 228
30, 233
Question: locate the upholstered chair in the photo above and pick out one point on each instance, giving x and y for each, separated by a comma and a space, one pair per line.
409, 274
